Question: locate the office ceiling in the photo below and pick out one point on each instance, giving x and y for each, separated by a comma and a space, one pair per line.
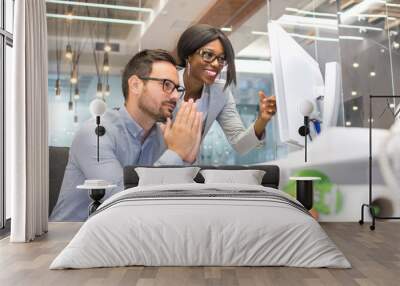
171, 17
161, 29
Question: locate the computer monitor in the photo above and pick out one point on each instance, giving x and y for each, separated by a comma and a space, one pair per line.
297, 77
332, 95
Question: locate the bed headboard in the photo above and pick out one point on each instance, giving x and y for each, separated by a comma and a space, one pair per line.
270, 179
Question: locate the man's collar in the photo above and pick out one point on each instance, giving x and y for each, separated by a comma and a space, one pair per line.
134, 129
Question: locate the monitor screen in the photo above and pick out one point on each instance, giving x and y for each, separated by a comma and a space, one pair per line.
297, 77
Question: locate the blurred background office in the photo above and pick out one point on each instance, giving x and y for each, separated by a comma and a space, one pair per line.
91, 41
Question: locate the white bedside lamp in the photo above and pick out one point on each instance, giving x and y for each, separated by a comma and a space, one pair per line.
97, 108
97, 188
306, 108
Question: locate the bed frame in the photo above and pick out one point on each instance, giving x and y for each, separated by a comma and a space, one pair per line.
270, 179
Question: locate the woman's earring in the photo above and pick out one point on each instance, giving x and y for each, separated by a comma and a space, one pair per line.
188, 68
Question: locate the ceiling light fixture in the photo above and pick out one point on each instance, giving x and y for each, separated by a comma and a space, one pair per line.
68, 52
355, 107
351, 38
58, 87
74, 78
356, 65
314, 38
107, 48
106, 65
76, 95
96, 19
367, 28
98, 5
372, 74
226, 29
307, 22
354, 93
107, 91
327, 39
393, 5
304, 12
328, 24
307, 25
348, 123
364, 16
259, 33
99, 92
70, 12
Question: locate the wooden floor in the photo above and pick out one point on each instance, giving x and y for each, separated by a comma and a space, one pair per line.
375, 257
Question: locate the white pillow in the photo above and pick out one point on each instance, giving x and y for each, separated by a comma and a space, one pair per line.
163, 176
249, 177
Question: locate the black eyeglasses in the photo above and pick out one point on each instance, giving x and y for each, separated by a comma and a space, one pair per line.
210, 57
168, 85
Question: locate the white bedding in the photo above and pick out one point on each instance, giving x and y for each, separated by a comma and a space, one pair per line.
187, 230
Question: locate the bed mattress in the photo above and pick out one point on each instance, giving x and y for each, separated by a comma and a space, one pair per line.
201, 225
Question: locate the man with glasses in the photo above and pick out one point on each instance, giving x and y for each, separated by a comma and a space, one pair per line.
133, 137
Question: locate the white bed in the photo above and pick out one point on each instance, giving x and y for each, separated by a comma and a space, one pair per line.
203, 225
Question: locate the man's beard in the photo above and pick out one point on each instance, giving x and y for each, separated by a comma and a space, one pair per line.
163, 117
157, 116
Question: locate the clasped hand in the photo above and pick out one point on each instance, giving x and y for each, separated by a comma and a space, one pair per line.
183, 136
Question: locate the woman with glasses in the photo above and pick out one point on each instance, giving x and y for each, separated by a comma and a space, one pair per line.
204, 51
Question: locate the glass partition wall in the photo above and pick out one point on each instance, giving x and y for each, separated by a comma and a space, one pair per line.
371, 64
363, 36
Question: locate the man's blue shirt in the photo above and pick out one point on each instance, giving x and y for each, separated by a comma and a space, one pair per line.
123, 144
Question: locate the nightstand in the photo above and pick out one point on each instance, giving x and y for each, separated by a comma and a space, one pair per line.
96, 193
304, 190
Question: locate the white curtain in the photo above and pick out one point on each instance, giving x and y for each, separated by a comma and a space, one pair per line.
26, 117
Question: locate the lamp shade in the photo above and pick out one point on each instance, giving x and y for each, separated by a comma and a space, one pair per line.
306, 107
97, 107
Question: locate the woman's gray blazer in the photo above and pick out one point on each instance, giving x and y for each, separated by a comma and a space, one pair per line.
222, 107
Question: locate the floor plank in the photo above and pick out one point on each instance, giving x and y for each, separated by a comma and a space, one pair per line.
374, 255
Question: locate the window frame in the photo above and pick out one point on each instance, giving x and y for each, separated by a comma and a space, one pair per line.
6, 39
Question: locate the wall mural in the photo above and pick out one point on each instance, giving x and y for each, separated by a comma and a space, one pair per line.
86, 61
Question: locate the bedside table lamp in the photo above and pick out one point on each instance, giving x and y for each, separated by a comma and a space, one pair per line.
96, 188
306, 108
97, 108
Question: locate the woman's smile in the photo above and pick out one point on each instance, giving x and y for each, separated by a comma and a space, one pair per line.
210, 74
